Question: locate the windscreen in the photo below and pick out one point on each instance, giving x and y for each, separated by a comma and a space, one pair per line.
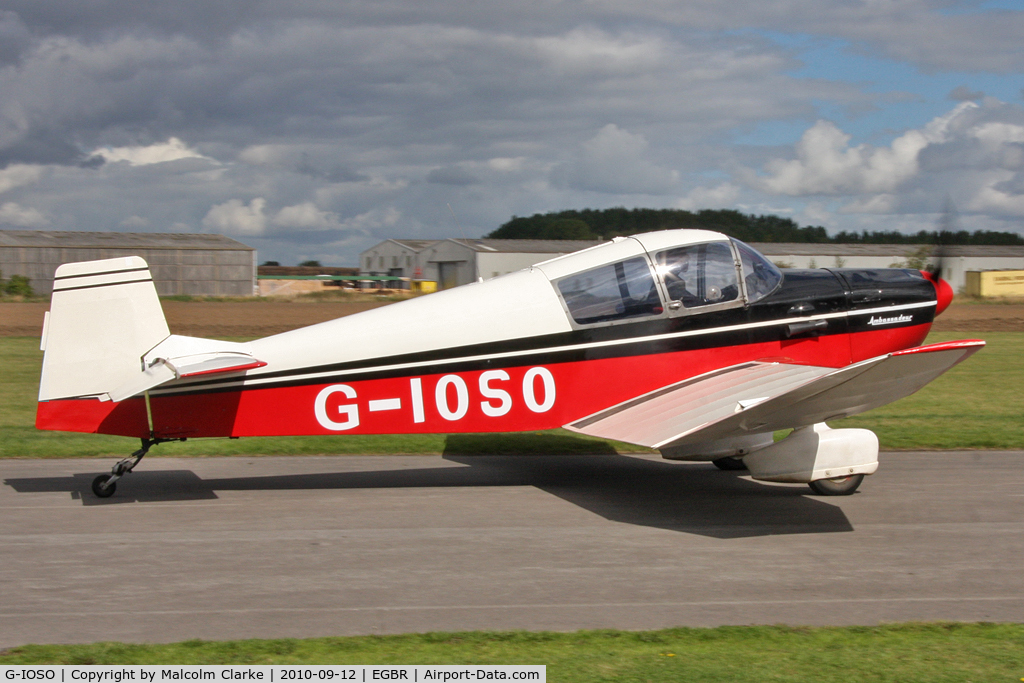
699, 274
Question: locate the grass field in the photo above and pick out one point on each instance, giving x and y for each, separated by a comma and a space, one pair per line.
905, 653
978, 404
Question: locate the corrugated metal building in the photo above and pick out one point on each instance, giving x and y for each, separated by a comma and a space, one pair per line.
497, 257
399, 258
454, 262
192, 264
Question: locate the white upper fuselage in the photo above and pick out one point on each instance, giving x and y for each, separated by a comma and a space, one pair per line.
514, 306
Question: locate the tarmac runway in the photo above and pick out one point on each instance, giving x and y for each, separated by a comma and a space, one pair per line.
243, 547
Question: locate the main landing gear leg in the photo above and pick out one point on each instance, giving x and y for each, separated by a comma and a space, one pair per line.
105, 484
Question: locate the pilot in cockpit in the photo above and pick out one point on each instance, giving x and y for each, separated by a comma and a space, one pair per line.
680, 278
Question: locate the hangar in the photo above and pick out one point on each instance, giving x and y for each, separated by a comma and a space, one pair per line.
181, 263
453, 262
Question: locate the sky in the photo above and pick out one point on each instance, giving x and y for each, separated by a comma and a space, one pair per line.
314, 129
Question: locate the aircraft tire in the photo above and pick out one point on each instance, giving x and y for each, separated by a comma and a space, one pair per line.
101, 492
840, 486
729, 464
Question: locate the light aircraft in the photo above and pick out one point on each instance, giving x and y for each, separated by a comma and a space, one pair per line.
685, 341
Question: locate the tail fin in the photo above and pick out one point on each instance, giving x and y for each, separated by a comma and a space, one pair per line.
104, 316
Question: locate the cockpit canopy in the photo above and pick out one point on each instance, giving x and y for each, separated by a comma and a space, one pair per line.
649, 276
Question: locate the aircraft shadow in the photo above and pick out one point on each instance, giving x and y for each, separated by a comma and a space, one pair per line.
695, 499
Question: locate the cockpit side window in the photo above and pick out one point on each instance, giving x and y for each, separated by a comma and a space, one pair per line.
699, 274
617, 291
759, 274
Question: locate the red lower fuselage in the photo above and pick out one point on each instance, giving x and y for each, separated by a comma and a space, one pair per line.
540, 389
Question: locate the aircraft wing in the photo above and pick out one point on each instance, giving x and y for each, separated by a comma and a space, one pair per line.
765, 396
177, 357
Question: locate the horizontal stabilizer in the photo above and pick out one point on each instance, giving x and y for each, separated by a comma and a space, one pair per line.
767, 396
180, 357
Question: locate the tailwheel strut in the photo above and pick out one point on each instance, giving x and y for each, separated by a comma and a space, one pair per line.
105, 484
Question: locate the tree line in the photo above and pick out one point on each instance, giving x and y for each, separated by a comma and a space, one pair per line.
603, 224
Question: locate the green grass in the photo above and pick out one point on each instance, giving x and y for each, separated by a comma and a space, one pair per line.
905, 653
978, 404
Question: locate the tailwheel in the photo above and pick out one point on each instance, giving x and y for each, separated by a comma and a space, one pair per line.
729, 463
837, 486
105, 484
101, 488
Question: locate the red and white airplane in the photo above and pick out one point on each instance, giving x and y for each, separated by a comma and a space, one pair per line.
685, 341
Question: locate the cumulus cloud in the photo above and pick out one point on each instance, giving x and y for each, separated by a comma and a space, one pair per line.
140, 155
723, 195
1004, 197
236, 218
372, 221
305, 216
615, 162
22, 217
826, 164
989, 138
16, 175
1002, 144
301, 221
974, 153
